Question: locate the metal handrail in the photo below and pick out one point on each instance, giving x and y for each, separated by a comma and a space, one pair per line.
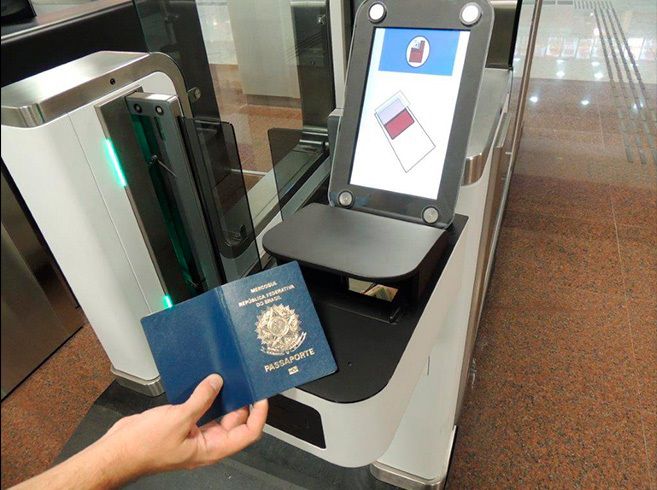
524, 82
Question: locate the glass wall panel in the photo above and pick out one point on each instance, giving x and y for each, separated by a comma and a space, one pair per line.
266, 68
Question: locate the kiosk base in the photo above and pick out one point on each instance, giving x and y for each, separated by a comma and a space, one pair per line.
152, 387
401, 479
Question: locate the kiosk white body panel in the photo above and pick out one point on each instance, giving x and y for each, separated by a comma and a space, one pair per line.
359, 433
408, 427
423, 442
63, 172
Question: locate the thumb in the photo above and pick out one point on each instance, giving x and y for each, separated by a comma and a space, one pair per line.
204, 394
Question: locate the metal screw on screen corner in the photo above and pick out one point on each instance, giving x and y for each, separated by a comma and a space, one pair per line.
345, 199
377, 12
470, 14
430, 215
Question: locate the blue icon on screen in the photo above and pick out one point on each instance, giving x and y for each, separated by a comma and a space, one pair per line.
421, 51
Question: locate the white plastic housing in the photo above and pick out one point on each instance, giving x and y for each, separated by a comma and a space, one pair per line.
63, 173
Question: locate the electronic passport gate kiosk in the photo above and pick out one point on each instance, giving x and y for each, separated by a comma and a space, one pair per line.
125, 188
412, 86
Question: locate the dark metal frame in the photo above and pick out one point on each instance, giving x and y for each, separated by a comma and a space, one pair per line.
410, 14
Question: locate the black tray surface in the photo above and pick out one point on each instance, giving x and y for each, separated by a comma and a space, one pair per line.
352, 243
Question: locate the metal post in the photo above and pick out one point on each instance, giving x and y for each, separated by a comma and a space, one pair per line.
524, 82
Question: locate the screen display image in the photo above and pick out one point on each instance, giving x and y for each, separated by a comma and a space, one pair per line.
406, 119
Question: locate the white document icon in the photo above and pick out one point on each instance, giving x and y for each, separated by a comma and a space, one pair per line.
408, 139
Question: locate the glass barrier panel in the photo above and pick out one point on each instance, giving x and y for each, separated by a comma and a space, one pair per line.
224, 195
265, 67
183, 178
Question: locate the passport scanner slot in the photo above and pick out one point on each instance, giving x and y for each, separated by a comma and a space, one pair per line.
373, 290
297, 419
381, 302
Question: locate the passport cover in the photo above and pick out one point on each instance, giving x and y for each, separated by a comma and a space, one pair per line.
260, 333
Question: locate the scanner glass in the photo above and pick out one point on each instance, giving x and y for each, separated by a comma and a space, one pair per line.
406, 119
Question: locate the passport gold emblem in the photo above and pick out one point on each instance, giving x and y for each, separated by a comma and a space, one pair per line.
279, 330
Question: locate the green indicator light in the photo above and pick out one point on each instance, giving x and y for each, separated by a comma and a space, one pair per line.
168, 303
111, 155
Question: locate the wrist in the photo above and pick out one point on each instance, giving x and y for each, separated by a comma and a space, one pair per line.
114, 465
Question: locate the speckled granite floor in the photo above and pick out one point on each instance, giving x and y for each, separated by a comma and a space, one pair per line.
41, 414
565, 390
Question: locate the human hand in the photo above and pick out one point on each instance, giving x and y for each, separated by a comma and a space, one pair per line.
161, 439
167, 437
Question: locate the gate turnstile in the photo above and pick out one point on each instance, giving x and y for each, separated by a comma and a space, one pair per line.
131, 194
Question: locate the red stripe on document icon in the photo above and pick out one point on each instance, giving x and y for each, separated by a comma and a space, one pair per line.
408, 140
399, 123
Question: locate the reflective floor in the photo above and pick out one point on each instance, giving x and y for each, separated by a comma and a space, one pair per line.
252, 121
42, 413
564, 390
575, 36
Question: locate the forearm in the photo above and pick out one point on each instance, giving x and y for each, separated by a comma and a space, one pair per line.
100, 466
160, 439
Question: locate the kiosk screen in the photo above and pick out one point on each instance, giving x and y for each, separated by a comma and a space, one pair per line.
410, 96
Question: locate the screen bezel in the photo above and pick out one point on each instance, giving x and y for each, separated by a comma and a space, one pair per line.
412, 14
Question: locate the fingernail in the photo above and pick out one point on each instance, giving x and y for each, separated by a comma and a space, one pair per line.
215, 381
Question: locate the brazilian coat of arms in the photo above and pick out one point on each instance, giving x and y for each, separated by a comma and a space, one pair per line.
279, 330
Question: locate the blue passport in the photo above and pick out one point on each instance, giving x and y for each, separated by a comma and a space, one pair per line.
261, 333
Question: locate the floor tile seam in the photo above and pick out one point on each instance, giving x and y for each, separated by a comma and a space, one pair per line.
540, 284
603, 177
564, 285
575, 132
538, 387
558, 180
652, 229
493, 303
547, 214
602, 135
631, 332
566, 362
651, 476
547, 200
646, 455
644, 302
589, 290
651, 413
